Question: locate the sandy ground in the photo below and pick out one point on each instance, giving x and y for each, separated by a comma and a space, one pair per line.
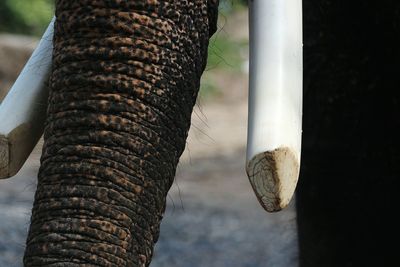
213, 218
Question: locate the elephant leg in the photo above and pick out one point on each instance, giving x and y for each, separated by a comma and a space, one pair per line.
124, 81
347, 193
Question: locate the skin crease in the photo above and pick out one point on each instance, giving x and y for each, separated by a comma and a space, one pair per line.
124, 81
347, 193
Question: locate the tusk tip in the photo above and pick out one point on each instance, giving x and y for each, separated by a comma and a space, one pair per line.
273, 176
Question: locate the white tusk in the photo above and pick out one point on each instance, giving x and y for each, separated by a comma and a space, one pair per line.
275, 100
23, 111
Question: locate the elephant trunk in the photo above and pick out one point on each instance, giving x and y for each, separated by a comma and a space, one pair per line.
124, 81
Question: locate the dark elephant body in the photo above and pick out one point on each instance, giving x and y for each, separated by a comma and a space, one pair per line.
347, 198
124, 81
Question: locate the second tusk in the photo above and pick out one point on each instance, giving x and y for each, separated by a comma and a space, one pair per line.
275, 100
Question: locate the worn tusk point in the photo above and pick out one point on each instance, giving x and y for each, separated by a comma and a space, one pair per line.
273, 176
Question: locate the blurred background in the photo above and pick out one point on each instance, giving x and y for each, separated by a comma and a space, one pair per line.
213, 218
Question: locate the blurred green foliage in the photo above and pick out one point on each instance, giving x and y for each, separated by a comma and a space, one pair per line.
208, 87
228, 6
226, 54
25, 16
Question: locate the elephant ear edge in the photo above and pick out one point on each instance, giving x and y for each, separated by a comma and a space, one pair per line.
212, 9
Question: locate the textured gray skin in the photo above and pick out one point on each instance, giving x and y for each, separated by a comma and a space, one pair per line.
125, 76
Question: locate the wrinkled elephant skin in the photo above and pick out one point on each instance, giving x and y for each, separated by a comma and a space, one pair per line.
124, 81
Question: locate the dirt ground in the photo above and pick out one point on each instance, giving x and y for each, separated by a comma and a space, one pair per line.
213, 218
